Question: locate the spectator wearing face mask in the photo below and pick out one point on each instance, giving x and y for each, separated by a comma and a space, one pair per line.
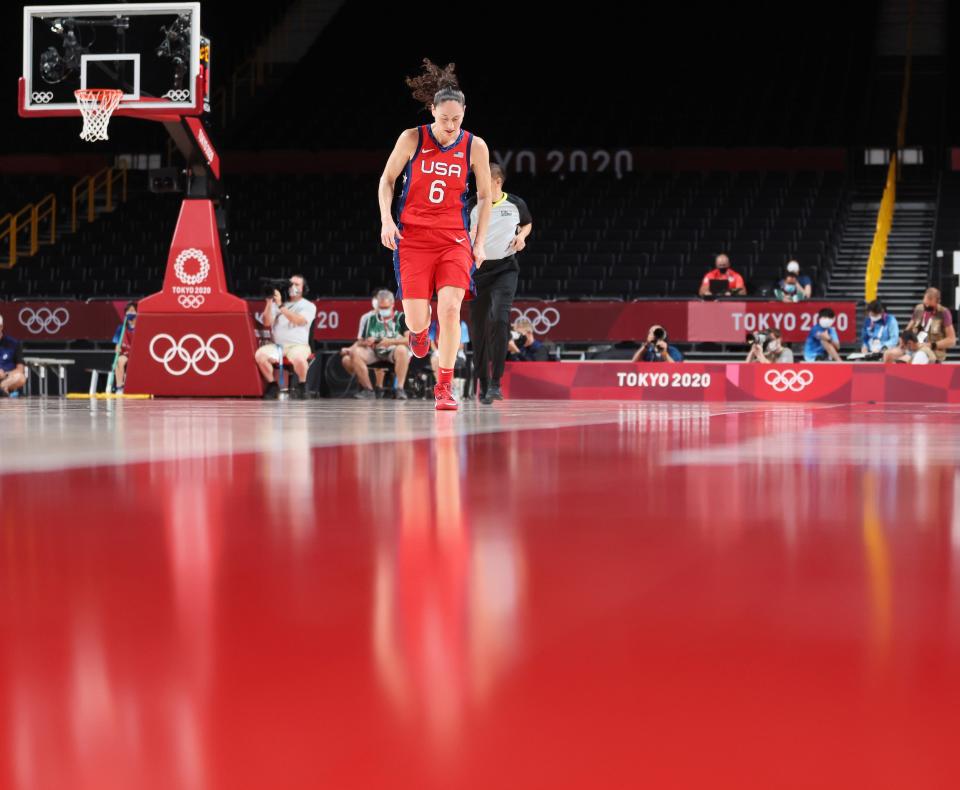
789, 290
383, 338
805, 283
823, 342
932, 323
726, 282
289, 323
880, 330
771, 350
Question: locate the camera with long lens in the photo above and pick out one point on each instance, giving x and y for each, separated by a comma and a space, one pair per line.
175, 46
757, 339
54, 67
659, 340
270, 284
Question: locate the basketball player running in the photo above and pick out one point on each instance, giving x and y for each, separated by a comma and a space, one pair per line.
431, 243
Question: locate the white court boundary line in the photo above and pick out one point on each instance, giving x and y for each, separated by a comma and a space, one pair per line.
85, 456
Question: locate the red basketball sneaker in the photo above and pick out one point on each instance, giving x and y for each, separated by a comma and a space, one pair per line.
420, 343
444, 395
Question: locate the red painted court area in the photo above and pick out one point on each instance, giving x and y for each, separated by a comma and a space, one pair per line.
534, 594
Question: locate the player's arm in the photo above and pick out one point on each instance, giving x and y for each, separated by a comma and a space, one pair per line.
403, 151
480, 156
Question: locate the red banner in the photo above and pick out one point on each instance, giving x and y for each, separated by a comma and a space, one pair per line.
686, 321
67, 320
716, 382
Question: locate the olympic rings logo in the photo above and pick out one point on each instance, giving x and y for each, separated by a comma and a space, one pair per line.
793, 380
191, 301
543, 320
43, 319
43, 97
175, 95
191, 279
184, 359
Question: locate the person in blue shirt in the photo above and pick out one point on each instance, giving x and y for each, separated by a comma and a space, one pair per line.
880, 330
523, 345
12, 375
823, 341
657, 348
803, 281
789, 289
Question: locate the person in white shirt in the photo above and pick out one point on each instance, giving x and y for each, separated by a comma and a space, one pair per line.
289, 324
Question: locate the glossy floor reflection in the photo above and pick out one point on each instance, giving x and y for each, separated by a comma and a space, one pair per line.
340, 595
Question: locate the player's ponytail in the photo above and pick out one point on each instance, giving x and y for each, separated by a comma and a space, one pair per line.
434, 85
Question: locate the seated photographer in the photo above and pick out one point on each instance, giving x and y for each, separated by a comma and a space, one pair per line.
722, 280
769, 348
789, 289
933, 326
523, 346
880, 331
913, 352
657, 348
383, 339
823, 342
289, 324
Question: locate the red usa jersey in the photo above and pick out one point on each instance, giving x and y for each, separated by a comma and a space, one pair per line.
435, 183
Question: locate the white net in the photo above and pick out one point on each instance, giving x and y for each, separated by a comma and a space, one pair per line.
96, 106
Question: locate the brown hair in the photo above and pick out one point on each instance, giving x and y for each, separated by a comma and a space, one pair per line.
435, 85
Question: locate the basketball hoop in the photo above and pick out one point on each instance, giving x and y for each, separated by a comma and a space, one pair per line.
96, 106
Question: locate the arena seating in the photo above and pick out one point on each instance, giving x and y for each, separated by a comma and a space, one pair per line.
642, 236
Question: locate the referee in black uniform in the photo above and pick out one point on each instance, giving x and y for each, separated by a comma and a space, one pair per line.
496, 279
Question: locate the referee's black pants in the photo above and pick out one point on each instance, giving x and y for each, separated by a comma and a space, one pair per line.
490, 316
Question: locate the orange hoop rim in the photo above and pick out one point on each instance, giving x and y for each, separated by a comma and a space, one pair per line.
98, 93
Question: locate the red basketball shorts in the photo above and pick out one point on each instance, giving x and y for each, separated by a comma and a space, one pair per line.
427, 259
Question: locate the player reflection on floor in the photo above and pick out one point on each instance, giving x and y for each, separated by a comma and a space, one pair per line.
447, 595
